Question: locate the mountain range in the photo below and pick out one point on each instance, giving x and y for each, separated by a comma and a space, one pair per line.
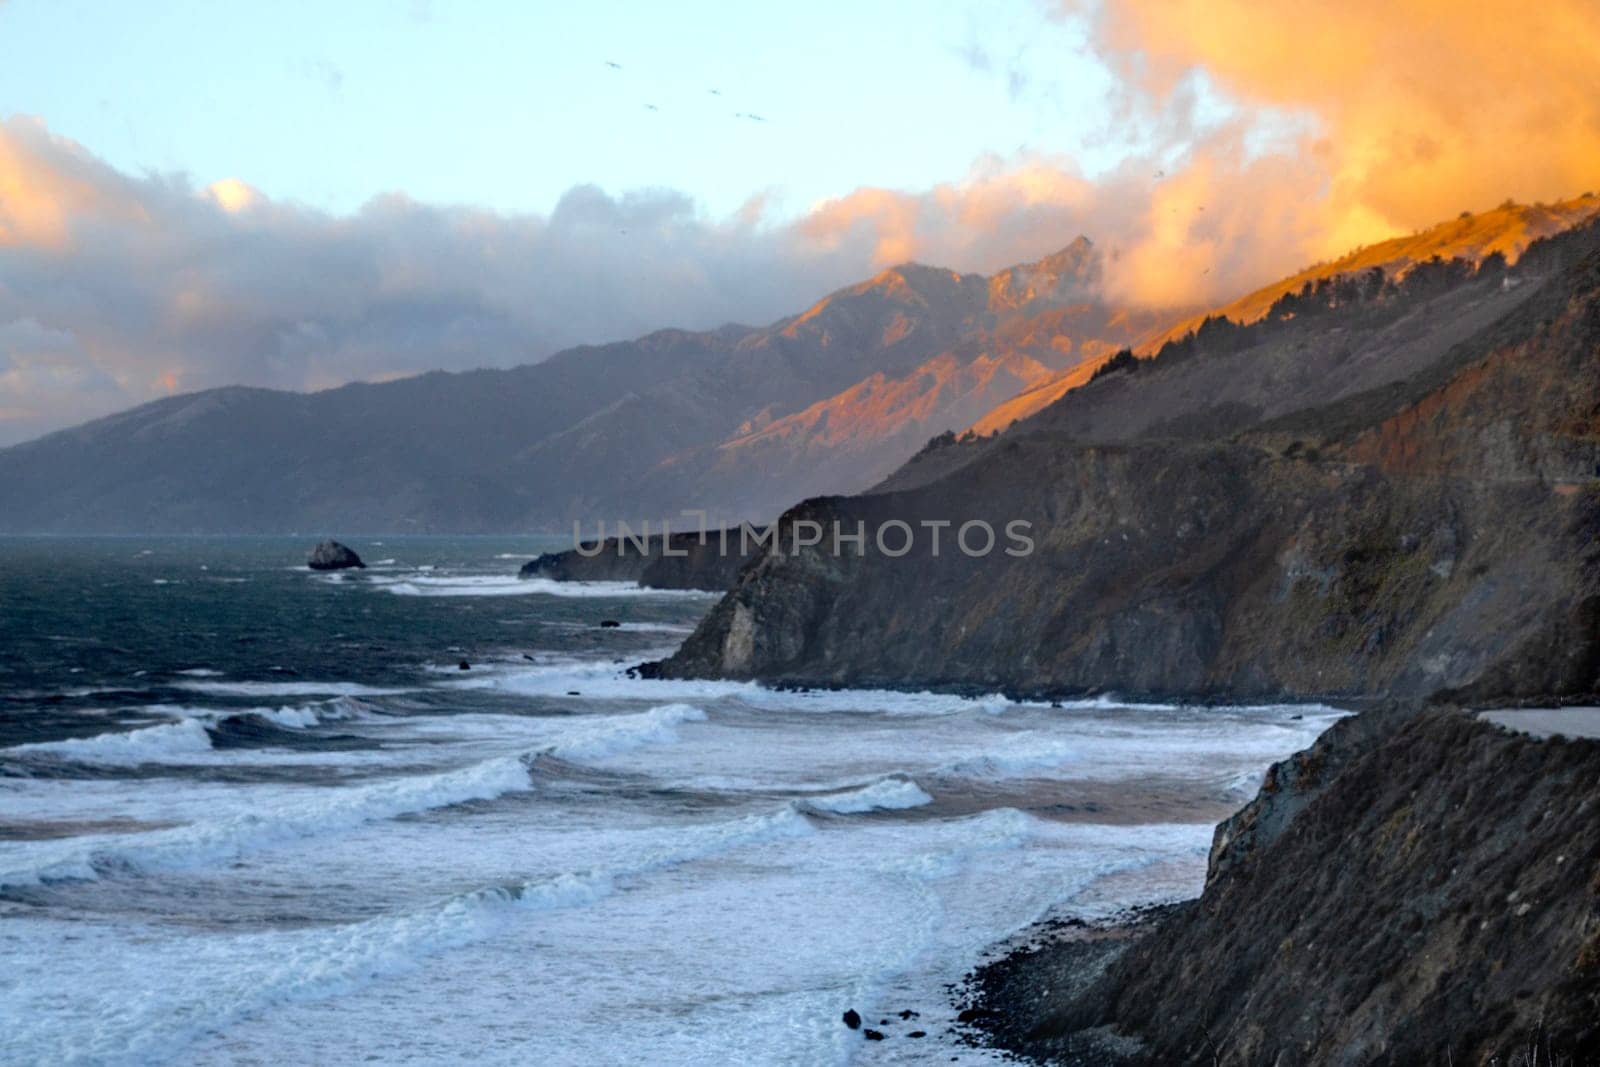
1385, 485
739, 422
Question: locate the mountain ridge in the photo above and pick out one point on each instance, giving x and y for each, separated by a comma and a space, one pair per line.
1397, 495
627, 430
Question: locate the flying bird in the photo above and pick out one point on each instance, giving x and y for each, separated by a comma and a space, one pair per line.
751, 115
714, 92
613, 66
651, 107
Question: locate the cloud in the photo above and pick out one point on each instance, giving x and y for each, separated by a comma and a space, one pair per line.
1270, 137
162, 285
1359, 119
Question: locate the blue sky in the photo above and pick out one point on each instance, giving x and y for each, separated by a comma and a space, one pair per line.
506, 105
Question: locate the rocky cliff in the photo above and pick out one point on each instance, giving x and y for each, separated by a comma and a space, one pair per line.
683, 561
1390, 491
1417, 887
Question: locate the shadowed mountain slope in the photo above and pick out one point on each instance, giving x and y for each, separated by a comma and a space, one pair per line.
738, 421
1391, 493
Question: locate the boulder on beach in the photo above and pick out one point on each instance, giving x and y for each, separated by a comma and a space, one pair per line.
332, 556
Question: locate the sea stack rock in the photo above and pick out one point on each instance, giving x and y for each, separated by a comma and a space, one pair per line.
332, 556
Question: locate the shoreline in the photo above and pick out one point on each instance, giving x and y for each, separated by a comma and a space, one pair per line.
1002, 1000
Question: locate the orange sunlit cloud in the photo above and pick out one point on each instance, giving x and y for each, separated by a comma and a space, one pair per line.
1354, 121
1416, 110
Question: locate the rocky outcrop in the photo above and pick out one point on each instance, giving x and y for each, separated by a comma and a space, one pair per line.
1414, 888
1273, 517
685, 561
332, 556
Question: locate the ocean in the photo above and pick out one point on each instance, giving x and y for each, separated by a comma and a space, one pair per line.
250, 813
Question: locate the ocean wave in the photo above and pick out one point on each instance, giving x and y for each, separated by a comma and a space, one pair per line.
178, 1001
329, 810
222, 840
125, 748
878, 701
289, 689
1021, 756
621, 733
510, 585
890, 794
995, 830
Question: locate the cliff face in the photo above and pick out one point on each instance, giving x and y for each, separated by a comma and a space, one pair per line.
1394, 503
1367, 909
684, 562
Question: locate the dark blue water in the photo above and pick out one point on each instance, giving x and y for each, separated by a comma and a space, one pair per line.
94, 629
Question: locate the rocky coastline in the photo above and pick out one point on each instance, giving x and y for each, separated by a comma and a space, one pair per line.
1420, 886
1439, 533
1396, 506
687, 560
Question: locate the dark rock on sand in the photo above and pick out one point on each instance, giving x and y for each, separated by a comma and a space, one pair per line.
332, 556
852, 1019
872, 1035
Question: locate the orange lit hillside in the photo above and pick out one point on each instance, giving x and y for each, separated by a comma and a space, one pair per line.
1508, 229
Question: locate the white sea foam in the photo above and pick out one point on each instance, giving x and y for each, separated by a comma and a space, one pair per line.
295, 717
175, 992
509, 585
890, 794
289, 689
600, 680
878, 701
326, 810
1020, 756
201, 672
151, 744
316, 812
621, 733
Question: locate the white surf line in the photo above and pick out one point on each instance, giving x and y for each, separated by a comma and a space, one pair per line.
333, 809
288, 968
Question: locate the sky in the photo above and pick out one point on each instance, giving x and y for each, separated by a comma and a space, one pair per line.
506, 105
300, 195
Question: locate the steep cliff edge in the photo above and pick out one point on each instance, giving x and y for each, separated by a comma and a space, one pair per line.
1414, 888
1394, 498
